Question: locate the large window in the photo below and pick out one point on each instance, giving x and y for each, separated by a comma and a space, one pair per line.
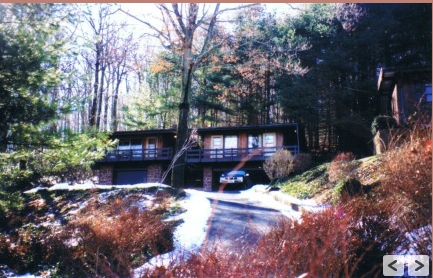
151, 147
269, 142
217, 146
130, 147
129, 144
255, 141
230, 145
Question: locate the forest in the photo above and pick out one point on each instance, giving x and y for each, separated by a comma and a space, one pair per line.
73, 73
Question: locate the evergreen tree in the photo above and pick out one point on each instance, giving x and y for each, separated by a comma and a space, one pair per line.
29, 52
33, 149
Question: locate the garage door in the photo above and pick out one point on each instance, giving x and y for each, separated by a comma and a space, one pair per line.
124, 177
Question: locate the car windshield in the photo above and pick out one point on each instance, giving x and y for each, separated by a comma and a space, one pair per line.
235, 173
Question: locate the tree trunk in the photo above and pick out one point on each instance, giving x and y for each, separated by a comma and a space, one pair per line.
94, 106
178, 173
100, 97
114, 119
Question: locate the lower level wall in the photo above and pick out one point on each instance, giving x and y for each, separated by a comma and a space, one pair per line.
105, 174
207, 178
154, 173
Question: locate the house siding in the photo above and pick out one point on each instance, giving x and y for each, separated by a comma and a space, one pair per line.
207, 178
204, 165
154, 173
105, 174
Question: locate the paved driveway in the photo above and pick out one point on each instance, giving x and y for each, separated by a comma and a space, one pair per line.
237, 219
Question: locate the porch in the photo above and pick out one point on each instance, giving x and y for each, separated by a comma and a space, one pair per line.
235, 154
151, 154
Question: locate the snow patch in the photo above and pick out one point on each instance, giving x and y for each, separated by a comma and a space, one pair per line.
188, 236
90, 185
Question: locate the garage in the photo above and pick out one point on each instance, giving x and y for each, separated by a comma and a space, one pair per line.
130, 176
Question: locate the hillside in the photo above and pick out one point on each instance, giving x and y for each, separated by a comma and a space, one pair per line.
315, 184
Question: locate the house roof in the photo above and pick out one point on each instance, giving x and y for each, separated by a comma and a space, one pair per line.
388, 77
204, 130
143, 132
261, 128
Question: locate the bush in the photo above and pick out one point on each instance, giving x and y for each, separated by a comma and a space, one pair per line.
343, 241
279, 165
110, 240
342, 167
383, 122
408, 184
302, 162
282, 163
104, 239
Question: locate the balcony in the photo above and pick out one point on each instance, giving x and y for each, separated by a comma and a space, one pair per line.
138, 155
235, 155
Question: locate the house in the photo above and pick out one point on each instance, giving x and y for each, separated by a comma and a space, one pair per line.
404, 91
143, 156
140, 156
405, 95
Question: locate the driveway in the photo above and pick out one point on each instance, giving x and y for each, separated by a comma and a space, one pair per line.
237, 218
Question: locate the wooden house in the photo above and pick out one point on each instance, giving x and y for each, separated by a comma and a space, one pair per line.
404, 92
247, 147
143, 156
140, 156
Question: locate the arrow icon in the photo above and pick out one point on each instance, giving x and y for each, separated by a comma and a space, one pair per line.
391, 265
421, 265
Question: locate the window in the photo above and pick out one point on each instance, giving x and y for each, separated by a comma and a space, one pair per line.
124, 144
130, 147
151, 147
230, 145
269, 142
427, 92
254, 142
216, 144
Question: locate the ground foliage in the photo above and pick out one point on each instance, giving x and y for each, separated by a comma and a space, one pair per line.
86, 233
390, 214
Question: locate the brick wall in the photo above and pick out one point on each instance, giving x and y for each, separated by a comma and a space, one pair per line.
105, 174
207, 178
154, 173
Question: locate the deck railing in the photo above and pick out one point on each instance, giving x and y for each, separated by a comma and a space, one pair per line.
235, 154
138, 155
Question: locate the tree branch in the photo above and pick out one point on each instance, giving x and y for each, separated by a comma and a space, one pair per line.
160, 34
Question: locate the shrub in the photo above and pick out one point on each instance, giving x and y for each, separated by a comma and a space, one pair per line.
408, 184
279, 165
302, 162
344, 241
383, 122
282, 163
25, 248
110, 240
341, 167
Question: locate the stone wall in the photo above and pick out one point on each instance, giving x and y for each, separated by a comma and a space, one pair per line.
105, 174
207, 178
154, 173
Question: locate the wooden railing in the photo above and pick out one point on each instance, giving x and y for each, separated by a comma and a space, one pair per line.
237, 154
139, 155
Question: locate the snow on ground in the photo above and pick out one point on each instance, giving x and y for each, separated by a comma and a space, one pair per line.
90, 185
191, 233
188, 236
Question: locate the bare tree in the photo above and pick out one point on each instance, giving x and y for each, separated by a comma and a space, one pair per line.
182, 24
191, 142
